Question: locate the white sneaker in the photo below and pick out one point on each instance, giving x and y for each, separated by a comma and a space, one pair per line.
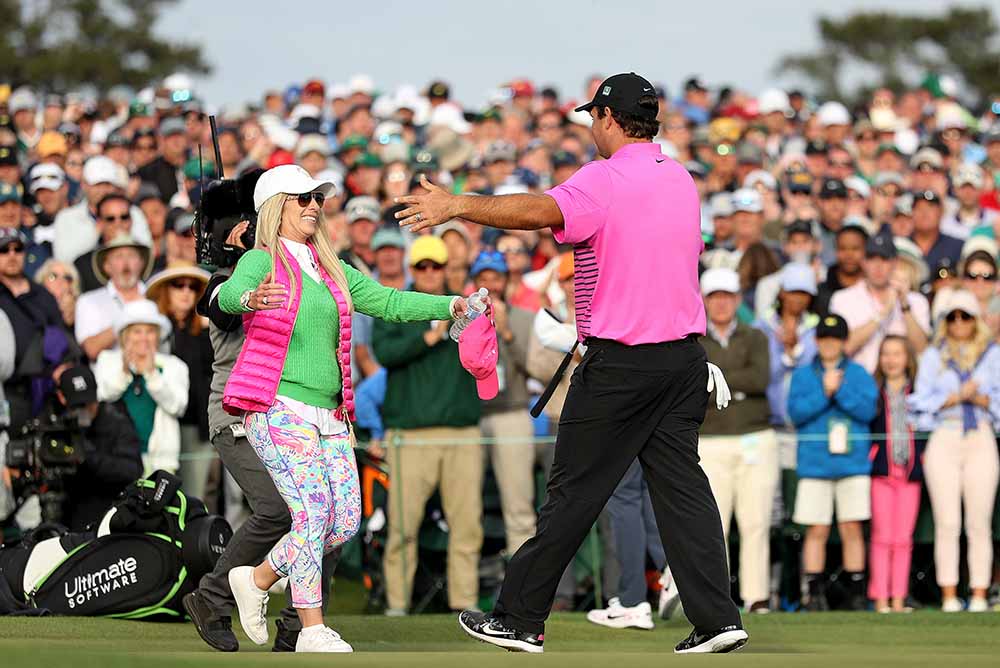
618, 616
251, 602
951, 605
670, 597
323, 639
977, 604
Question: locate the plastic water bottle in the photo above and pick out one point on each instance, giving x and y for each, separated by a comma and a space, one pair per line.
477, 303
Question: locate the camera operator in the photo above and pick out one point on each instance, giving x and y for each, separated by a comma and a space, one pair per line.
111, 457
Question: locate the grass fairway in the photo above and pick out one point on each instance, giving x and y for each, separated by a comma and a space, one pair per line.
813, 641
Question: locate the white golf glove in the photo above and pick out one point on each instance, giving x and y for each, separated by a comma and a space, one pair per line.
716, 381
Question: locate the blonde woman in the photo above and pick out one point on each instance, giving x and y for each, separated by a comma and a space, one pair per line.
62, 280
957, 400
292, 383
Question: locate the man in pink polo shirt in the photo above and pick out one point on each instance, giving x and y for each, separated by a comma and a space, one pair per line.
634, 221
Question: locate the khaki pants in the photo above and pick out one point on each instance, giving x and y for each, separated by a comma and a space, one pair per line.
962, 469
743, 473
416, 470
513, 465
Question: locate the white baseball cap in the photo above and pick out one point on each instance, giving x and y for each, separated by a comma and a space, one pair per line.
46, 176
720, 279
833, 113
290, 179
968, 174
858, 185
313, 143
798, 277
747, 199
771, 100
102, 169
361, 83
451, 117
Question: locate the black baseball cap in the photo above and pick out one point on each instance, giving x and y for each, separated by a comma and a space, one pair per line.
621, 92
564, 159
799, 181
695, 83
832, 327
927, 196
78, 386
881, 245
800, 226
832, 188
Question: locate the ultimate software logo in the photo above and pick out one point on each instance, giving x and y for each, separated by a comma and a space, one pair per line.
93, 585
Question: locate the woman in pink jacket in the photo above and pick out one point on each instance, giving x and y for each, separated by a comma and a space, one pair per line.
292, 383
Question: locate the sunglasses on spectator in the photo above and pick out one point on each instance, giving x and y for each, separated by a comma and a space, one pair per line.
427, 265
304, 199
16, 249
52, 276
185, 284
985, 275
960, 316
114, 219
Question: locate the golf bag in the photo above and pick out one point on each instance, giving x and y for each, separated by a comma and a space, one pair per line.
149, 550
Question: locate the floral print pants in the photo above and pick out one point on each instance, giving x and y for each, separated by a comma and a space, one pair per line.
318, 479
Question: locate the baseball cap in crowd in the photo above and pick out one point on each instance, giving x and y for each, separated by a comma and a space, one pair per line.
438, 90
117, 140
903, 205
12, 235
992, 134
816, 147
101, 169
51, 143
352, 142
141, 312
747, 199
721, 205
832, 327
313, 143
478, 352
881, 245
9, 193
887, 178
8, 155
388, 237
500, 151
773, 100
858, 185
950, 301
760, 177
832, 188
314, 87
179, 221
798, 277
833, 113
909, 252
926, 196
172, 125
488, 259
78, 386
363, 208
749, 154
968, 174
695, 84
927, 156
566, 159
368, 160
720, 279
46, 176
621, 92
290, 179
799, 181
800, 226
22, 99
428, 247
147, 190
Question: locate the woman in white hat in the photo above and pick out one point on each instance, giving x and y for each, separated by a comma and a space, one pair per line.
153, 385
979, 276
176, 291
292, 384
957, 400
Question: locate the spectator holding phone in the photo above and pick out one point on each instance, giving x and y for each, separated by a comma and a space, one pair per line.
831, 402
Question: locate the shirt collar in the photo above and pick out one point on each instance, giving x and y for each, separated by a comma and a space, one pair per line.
722, 336
637, 148
113, 291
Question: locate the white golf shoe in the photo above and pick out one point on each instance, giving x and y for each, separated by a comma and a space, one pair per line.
251, 602
617, 616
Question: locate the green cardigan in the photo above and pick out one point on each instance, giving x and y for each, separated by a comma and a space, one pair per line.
311, 373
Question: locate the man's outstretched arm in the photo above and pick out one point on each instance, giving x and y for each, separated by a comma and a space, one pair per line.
506, 212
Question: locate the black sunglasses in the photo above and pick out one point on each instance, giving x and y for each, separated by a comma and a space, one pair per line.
986, 275
16, 249
112, 219
960, 316
427, 265
184, 283
304, 199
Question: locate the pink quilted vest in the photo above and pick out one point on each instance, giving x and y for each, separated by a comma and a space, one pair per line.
253, 384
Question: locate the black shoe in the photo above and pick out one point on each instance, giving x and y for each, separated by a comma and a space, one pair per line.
487, 628
285, 639
726, 639
817, 603
215, 630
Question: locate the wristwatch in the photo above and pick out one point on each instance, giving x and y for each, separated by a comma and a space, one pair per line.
245, 300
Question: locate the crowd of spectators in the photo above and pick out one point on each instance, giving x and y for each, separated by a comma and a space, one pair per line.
849, 276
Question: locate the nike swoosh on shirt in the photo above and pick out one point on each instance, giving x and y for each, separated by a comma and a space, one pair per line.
659, 160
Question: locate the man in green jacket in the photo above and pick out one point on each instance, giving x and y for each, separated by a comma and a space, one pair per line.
738, 447
431, 413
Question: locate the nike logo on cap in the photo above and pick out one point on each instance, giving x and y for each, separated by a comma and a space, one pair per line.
646, 90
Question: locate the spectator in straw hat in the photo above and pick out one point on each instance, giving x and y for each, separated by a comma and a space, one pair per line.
176, 291
120, 265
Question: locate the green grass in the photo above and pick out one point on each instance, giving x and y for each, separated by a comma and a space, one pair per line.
801, 640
